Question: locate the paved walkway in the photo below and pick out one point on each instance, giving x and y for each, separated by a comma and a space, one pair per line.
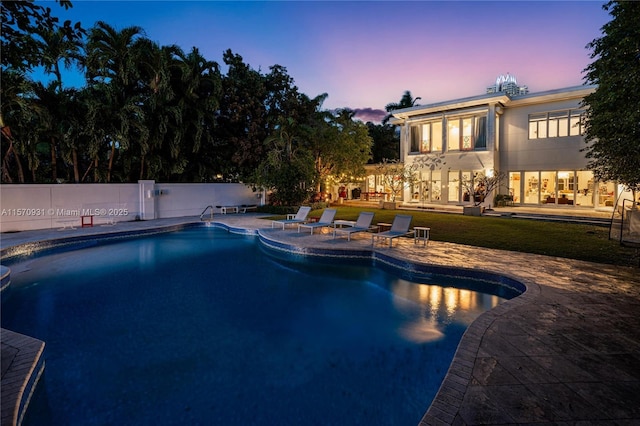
565, 352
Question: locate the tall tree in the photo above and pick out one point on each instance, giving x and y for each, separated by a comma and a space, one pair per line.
57, 49
16, 109
407, 101
156, 66
385, 142
345, 150
612, 125
113, 63
241, 122
21, 22
27, 38
197, 87
74, 139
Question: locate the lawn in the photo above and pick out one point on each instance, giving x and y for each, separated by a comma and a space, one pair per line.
568, 240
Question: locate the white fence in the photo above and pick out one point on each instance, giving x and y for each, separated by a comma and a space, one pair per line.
26, 207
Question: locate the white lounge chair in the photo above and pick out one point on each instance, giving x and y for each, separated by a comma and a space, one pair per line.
300, 217
399, 228
325, 220
363, 224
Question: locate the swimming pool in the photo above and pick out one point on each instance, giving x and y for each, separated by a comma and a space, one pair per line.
206, 327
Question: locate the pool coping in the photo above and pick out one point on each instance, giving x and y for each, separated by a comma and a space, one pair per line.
461, 399
34, 359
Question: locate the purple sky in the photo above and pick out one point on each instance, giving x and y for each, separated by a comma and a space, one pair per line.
365, 54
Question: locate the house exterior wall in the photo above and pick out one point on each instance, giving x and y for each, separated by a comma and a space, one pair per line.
518, 152
534, 139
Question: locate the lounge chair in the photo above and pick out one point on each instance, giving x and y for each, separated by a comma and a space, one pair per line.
399, 228
363, 224
325, 220
300, 217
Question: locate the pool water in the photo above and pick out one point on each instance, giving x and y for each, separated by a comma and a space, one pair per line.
205, 327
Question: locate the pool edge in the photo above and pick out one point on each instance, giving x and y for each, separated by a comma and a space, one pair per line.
447, 400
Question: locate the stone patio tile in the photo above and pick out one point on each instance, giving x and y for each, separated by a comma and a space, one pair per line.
527, 370
522, 405
565, 403
617, 400
564, 370
480, 407
488, 371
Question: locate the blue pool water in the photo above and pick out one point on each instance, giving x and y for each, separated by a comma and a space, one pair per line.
205, 327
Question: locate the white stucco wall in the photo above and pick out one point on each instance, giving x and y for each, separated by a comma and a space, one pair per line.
519, 153
28, 207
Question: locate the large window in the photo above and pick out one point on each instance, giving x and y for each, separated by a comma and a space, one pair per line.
415, 139
467, 133
426, 137
453, 194
556, 124
514, 187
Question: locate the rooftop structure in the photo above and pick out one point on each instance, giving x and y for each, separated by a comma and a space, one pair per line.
509, 85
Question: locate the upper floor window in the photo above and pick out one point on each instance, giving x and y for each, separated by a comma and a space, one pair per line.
467, 133
426, 137
556, 124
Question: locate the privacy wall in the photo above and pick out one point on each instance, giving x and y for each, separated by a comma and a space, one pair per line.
27, 207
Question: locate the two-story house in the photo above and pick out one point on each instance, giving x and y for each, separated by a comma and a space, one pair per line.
535, 139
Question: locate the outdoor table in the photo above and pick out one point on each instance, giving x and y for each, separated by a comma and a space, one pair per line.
421, 233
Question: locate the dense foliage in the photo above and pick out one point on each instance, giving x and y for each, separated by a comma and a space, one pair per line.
613, 113
157, 112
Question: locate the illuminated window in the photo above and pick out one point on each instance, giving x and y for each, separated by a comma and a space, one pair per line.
436, 136
426, 137
467, 133
575, 122
556, 124
425, 146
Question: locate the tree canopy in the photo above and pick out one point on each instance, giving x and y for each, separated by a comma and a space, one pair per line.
148, 111
612, 125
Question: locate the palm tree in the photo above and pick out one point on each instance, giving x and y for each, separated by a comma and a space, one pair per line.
74, 138
56, 47
51, 116
407, 101
15, 113
113, 63
197, 83
160, 110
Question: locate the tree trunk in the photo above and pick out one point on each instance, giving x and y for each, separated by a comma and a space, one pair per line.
5, 164
94, 165
113, 154
54, 161
76, 170
142, 167
6, 133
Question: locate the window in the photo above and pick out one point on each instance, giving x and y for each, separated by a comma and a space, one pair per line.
480, 132
556, 124
537, 126
426, 137
436, 136
575, 122
467, 133
415, 139
453, 134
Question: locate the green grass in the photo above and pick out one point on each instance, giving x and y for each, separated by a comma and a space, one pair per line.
567, 240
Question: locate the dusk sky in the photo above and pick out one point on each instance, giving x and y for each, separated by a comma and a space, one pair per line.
365, 54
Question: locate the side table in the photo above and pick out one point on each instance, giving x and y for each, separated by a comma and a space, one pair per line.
421, 233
